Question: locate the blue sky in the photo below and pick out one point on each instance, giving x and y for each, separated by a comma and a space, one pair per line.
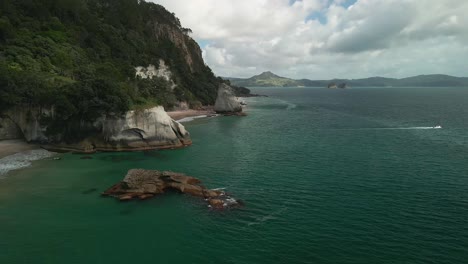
320, 39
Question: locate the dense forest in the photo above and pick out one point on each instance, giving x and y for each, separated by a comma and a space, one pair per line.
79, 56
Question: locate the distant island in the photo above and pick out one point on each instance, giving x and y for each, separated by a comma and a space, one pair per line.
269, 79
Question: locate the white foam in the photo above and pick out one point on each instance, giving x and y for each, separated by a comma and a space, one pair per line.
411, 128
385, 128
22, 160
291, 106
191, 118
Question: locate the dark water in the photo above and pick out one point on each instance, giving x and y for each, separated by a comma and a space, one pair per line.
328, 176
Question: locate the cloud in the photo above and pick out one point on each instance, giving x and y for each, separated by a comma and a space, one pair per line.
321, 39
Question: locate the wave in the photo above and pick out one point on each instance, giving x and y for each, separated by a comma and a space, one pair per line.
191, 118
291, 106
22, 160
406, 128
270, 216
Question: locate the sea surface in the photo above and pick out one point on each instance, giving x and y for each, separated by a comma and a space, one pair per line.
327, 176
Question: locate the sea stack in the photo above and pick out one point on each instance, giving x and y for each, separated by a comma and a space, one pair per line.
227, 102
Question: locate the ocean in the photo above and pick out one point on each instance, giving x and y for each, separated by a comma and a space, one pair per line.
359, 175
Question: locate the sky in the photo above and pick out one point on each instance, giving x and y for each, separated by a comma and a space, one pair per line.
324, 39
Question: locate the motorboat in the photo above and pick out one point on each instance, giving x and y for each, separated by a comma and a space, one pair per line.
437, 127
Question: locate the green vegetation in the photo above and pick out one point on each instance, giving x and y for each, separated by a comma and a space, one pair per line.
78, 56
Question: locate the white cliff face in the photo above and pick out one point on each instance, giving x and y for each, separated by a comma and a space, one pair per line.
144, 129
135, 130
149, 72
8, 129
227, 102
27, 122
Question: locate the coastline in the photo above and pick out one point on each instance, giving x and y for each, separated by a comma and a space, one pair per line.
17, 154
182, 115
11, 147
14, 146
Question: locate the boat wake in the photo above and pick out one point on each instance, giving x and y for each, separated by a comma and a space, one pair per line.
434, 127
387, 128
291, 106
271, 216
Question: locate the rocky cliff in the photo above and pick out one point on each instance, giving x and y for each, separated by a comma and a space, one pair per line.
227, 102
8, 129
77, 72
135, 130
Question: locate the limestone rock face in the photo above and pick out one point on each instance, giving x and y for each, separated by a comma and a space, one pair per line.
140, 130
151, 71
8, 129
27, 121
227, 102
135, 130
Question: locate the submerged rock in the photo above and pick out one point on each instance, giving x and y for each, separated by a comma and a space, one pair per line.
227, 102
144, 184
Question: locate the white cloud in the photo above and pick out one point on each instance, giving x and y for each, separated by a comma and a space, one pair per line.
321, 39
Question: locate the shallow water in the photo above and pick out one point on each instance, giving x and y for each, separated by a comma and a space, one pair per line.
328, 176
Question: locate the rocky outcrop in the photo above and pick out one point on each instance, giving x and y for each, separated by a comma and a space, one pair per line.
333, 85
28, 122
342, 86
191, 52
8, 129
141, 130
163, 71
136, 130
144, 184
227, 102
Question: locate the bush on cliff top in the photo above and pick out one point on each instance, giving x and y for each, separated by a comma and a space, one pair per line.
79, 57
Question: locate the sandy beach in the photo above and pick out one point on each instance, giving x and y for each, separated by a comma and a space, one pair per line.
10, 147
181, 114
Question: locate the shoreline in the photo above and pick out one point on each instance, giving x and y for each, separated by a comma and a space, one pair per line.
187, 115
18, 154
13, 146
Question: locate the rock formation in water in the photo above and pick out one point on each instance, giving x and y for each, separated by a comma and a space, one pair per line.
332, 86
342, 86
227, 102
144, 184
135, 130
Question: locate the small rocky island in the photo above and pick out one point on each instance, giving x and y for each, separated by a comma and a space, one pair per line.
227, 103
333, 85
144, 184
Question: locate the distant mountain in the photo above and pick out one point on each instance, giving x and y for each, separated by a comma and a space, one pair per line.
265, 79
269, 79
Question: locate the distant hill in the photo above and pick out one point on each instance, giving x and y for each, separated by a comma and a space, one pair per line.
269, 79
265, 79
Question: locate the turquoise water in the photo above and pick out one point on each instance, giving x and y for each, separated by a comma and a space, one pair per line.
328, 176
